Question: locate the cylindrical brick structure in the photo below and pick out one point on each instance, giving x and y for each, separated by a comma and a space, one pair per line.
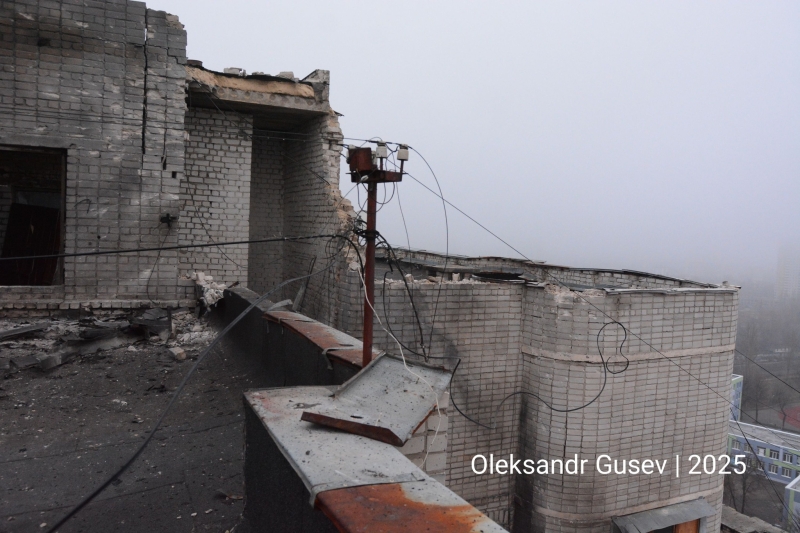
671, 400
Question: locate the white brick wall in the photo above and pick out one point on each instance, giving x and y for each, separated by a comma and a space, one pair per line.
216, 194
116, 104
266, 214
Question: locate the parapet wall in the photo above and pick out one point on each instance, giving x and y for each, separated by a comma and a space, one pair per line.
216, 193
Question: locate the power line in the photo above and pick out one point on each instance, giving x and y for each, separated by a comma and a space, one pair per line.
608, 317
767, 371
165, 248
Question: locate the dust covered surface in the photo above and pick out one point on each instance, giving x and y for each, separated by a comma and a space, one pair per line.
63, 431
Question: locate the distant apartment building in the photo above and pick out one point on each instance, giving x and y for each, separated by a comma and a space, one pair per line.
767, 451
787, 282
736, 397
778, 451
792, 500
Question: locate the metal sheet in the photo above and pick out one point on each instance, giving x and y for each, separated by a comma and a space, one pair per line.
403, 507
386, 401
662, 517
324, 458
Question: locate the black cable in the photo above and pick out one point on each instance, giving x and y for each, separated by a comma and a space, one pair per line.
469, 217
447, 242
177, 393
155, 265
385, 201
392, 254
202, 223
601, 311
766, 370
606, 369
388, 325
164, 248
362, 233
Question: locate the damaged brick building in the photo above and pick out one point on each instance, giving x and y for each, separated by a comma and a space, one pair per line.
111, 139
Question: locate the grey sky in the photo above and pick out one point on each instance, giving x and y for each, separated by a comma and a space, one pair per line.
645, 135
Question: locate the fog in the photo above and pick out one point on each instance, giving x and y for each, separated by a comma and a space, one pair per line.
651, 136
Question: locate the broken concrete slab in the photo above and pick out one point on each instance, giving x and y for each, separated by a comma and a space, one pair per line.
74, 347
23, 330
386, 401
24, 361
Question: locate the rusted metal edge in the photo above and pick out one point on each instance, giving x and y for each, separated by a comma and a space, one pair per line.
373, 432
402, 508
360, 484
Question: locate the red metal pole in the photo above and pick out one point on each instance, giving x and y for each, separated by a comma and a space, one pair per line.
369, 272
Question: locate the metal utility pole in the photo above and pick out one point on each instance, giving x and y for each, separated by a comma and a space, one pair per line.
363, 169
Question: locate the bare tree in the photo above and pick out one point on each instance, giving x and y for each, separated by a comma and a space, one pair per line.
782, 397
738, 486
755, 392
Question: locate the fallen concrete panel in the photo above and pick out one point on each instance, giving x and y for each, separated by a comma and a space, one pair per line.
386, 401
24, 330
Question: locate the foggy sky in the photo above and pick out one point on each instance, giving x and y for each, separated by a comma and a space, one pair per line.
660, 136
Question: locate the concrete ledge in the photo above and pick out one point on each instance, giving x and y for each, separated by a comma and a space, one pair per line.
287, 356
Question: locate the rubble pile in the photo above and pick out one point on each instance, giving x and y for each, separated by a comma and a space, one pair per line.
208, 291
49, 343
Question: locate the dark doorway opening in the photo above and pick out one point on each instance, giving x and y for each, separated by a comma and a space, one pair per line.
32, 197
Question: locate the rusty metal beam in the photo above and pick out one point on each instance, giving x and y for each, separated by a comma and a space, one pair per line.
402, 508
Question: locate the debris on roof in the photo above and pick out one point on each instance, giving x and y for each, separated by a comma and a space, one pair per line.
273, 85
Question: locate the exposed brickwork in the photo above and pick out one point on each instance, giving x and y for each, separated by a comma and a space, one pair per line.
480, 324
266, 214
216, 194
106, 83
82, 77
313, 207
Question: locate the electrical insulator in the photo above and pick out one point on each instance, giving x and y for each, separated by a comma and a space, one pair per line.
381, 151
402, 153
